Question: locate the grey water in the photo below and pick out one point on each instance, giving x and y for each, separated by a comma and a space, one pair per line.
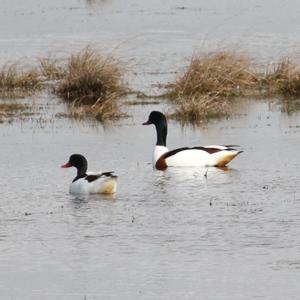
165, 235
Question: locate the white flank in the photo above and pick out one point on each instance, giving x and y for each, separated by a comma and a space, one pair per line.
190, 158
104, 185
200, 158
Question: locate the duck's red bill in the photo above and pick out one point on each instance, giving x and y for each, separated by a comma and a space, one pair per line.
67, 165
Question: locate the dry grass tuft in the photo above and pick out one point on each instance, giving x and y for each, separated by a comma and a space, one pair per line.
224, 74
18, 81
284, 79
94, 81
51, 68
210, 82
13, 78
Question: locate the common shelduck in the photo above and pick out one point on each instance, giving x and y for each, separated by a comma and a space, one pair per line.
205, 156
88, 182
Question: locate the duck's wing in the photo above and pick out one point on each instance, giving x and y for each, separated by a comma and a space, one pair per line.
93, 177
175, 151
208, 149
219, 147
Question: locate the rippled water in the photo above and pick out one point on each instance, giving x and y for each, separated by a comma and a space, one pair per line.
165, 235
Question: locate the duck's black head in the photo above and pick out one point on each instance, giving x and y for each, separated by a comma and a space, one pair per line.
159, 120
78, 161
156, 118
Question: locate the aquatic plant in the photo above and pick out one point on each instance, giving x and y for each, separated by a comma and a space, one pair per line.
210, 82
105, 111
17, 79
283, 79
52, 68
201, 109
224, 74
92, 82
11, 110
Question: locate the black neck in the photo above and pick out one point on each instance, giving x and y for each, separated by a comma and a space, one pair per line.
162, 131
79, 176
81, 173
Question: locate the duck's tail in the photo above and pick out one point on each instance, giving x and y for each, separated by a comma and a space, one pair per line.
224, 157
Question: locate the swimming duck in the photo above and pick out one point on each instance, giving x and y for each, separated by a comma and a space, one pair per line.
89, 182
205, 156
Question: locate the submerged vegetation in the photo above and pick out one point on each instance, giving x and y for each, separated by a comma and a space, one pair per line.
105, 111
11, 110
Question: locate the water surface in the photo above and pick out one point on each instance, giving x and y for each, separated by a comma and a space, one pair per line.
165, 235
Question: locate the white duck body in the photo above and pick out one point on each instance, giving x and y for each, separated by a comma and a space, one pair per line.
102, 185
192, 157
90, 182
201, 156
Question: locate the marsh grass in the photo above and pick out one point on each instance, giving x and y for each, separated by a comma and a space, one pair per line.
141, 102
88, 81
210, 83
15, 79
10, 107
92, 84
52, 68
108, 110
12, 110
283, 79
224, 74
19, 81
289, 107
201, 109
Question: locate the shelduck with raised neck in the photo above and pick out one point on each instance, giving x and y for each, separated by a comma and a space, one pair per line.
89, 182
202, 156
